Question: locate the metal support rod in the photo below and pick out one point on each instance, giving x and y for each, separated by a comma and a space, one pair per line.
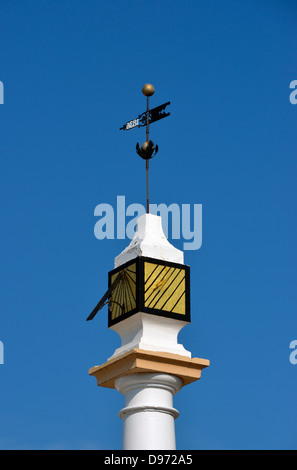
147, 118
147, 188
147, 162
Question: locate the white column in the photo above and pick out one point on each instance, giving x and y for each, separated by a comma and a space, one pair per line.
148, 416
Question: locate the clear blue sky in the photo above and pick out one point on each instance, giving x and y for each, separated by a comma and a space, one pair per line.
72, 72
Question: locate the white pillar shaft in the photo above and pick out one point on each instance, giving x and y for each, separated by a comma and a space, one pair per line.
148, 416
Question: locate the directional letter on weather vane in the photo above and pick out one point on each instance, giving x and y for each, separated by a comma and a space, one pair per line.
148, 148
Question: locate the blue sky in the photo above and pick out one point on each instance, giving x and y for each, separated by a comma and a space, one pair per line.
72, 73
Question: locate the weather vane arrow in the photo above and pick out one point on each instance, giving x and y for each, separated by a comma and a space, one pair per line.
148, 148
155, 114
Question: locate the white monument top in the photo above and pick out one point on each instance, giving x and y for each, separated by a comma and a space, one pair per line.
150, 241
143, 330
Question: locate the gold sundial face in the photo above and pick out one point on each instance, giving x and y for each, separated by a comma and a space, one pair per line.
123, 298
165, 288
151, 286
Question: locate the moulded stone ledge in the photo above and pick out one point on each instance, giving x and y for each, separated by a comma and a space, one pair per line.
143, 361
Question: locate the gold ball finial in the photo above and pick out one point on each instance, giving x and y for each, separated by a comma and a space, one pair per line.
148, 89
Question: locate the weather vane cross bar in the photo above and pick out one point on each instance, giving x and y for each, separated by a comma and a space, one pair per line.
148, 148
155, 114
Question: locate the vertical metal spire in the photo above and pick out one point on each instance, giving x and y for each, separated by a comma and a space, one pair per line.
148, 90
148, 148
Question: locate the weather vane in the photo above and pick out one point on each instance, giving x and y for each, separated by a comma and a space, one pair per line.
148, 149
122, 281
